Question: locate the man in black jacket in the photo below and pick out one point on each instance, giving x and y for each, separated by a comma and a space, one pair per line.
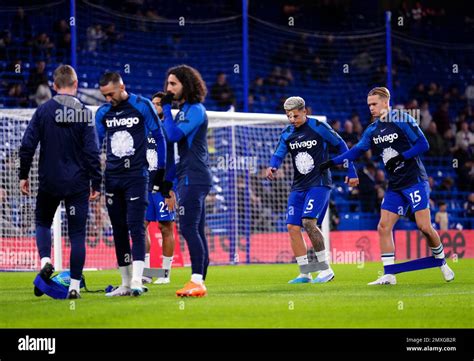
69, 170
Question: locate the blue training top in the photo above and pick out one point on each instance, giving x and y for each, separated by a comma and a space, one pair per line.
126, 128
387, 139
308, 146
189, 130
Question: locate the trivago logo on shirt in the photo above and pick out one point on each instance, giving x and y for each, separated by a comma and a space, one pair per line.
128, 122
304, 144
386, 138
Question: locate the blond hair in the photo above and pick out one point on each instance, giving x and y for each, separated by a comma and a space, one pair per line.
64, 76
381, 92
293, 103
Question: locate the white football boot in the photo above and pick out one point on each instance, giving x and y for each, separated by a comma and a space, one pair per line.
387, 279
447, 272
119, 291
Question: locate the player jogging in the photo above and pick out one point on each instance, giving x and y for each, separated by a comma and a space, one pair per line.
307, 140
399, 141
69, 170
160, 209
125, 121
189, 129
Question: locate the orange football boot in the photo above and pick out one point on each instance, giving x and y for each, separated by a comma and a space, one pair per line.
192, 289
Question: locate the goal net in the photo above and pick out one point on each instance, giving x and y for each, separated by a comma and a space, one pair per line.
245, 213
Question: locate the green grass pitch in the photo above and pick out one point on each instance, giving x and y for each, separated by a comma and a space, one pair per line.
248, 296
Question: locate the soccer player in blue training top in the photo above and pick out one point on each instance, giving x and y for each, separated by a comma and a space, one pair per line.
160, 209
125, 121
69, 170
307, 140
399, 141
189, 129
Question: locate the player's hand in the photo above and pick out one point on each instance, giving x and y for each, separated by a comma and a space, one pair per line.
394, 162
167, 99
158, 180
325, 165
171, 201
25, 187
270, 173
94, 195
165, 189
352, 182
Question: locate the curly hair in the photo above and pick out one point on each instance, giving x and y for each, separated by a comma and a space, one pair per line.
194, 87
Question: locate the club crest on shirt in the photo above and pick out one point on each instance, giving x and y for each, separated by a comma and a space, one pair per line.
304, 162
121, 144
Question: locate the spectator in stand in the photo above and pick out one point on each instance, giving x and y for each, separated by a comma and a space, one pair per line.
280, 77
63, 48
37, 76
358, 128
318, 70
465, 138
348, 134
12, 79
334, 214
5, 42
222, 93
449, 141
258, 89
336, 125
466, 176
60, 28
425, 115
42, 46
111, 36
469, 210
436, 142
380, 179
441, 217
95, 37
419, 93
447, 184
21, 25
433, 94
367, 196
469, 93
431, 183
441, 118
42, 95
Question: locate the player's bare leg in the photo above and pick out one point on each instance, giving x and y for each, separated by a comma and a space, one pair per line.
146, 279
298, 245
167, 234
322, 257
423, 222
387, 247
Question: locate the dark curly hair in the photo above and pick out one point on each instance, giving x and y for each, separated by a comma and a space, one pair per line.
194, 87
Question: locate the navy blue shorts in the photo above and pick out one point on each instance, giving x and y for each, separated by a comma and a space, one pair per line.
157, 210
311, 203
417, 197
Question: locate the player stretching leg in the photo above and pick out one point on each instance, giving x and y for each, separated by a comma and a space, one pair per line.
189, 129
399, 141
125, 121
160, 209
307, 140
69, 161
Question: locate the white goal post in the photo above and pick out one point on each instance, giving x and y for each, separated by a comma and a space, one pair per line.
245, 213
